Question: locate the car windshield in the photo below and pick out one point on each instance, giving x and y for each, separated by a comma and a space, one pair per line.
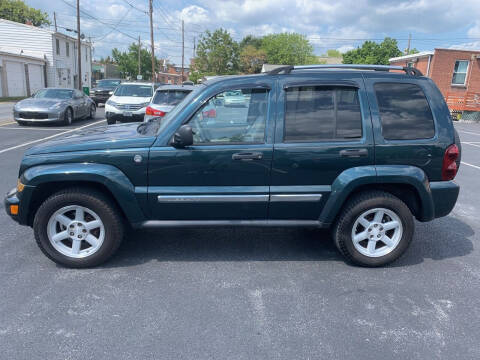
170, 97
108, 83
54, 94
134, 90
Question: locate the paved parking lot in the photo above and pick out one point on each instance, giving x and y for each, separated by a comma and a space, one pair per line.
243, 293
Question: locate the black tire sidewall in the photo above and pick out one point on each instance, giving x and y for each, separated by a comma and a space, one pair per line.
112, 225
344, 231
66, 120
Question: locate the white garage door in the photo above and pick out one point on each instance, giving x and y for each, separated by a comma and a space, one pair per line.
15, 77
35, 75
1, 94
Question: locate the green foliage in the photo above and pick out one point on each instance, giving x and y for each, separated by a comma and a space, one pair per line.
16, 10
373, 53
251, 40
333, 53
413, 51
128, 61
217, 53
288, 49
252, 59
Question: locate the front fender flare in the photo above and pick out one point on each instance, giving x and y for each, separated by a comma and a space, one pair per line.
75, 173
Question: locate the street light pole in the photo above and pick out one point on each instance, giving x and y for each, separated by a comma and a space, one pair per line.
79, 45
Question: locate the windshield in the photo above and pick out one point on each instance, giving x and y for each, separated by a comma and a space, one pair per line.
108, 83
169, 97
54, 94
134, 90
177, 109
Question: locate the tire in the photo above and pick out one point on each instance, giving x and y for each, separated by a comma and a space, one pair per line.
68, 117
92, 112
110, 121
381, 253
108, 234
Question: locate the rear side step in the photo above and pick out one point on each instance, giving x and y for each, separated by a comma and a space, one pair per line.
213, 223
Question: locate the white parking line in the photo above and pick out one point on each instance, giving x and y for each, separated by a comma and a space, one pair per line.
31, 128
49, 137
470, 143
474, 166
467, 132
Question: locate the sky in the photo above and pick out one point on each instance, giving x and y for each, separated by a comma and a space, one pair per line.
333, 24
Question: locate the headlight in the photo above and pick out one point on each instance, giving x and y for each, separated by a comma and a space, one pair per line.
111, 103
20, 186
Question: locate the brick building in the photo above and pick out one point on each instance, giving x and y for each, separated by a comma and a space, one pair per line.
171, 74
456, 73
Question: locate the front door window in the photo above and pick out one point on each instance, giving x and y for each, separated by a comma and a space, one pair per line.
232, 117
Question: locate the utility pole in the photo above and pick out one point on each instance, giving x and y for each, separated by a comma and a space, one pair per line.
151, 40
409, 41
194, 47
139, 48
55, 20
183, 49
79, 45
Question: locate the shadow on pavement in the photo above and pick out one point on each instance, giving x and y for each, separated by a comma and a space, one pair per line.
431, 241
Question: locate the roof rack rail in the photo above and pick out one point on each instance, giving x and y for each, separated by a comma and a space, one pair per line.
288, 68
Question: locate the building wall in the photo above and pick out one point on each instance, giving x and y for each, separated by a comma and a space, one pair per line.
419, 63
443, 66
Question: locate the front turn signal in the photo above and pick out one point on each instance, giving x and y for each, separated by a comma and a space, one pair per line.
14, 209
20, 186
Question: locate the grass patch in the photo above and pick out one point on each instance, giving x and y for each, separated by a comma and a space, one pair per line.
14, 98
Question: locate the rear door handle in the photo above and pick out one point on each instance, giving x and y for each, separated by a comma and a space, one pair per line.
354, 153
247, 156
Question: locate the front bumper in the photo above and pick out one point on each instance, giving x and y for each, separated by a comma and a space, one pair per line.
111, 112
38, 116
12, 199
23, 201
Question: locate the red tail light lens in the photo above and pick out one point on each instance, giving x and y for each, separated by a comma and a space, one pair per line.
449, 166
210, 113
151, 111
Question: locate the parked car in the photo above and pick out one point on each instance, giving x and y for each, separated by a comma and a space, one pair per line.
103, 90
128, 102
360, 150
233, 98
166, 97
54, 105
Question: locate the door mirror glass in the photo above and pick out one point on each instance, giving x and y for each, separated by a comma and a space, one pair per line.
183, 137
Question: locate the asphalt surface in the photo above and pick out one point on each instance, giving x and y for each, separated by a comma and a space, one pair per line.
241, 293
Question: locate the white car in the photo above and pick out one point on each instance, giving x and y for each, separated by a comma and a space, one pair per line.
165, 99
129, 102
234, 98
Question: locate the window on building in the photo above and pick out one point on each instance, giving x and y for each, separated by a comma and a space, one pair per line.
460, 72
319, 113
57, 44
67, 48
404, 112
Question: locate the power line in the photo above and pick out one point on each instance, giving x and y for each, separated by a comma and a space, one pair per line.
134, 7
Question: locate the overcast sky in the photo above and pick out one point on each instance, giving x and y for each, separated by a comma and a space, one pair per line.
334, 24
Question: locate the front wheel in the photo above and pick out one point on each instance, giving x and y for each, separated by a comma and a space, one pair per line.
374, 229
78, 228
68, 117
110, 121
93, 111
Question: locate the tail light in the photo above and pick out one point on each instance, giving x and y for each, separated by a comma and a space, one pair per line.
210, 113
151, 111
449, 166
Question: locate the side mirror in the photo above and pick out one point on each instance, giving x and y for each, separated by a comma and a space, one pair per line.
183, 137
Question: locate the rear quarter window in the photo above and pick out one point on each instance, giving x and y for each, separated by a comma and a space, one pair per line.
404, 112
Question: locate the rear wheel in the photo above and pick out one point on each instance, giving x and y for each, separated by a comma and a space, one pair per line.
374, 229
78, 228
68, 117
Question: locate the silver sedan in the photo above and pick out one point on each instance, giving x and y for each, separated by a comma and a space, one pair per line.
54, 105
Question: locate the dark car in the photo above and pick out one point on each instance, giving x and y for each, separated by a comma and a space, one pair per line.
358, 149
103, 90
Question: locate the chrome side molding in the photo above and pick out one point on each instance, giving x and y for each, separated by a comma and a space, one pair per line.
295, 197
211, 198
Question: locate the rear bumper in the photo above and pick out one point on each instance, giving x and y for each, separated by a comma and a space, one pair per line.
444, 196
122, 118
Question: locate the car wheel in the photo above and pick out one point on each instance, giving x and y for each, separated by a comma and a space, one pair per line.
110, 121
93, 110
68, 117
78, 228
374, 229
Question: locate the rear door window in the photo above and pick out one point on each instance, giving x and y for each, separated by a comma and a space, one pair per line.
320, 113
404, 112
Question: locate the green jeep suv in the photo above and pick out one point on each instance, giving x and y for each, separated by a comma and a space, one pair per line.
362, 150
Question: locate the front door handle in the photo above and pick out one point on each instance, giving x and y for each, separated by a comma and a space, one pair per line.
247, 156
354, 153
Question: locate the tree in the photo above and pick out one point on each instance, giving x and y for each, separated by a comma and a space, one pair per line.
373, 53
217, 54
128, 61
252, 59
288, 49
333, 53
18, 11
251, 40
